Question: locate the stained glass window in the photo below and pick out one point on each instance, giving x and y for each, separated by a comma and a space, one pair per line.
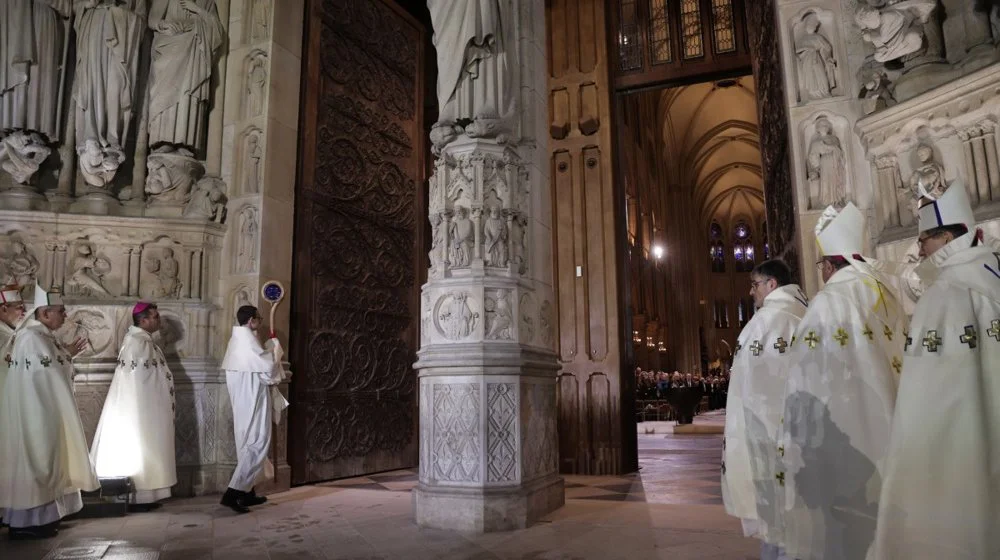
743, 249
723, 27
716, 248
629, 53
691, 44
660, 47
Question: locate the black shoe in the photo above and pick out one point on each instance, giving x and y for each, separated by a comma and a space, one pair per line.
33, 533
235, 500
252, 499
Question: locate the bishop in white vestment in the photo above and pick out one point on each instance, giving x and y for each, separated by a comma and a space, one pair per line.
840, 396
43, 450
135, 436
11, 314
941, 494
252, 376
755, 404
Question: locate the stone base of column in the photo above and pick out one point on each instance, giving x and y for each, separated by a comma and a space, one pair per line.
97, 203
484, 510
20, 197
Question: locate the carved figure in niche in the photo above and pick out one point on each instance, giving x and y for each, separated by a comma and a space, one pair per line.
260, 19
458, 320
826, 170
475, 59
166, 269
87, 325
256, 86
208, 200
896, 29
248, 242
252, 154
928, 178
33, 49
20, 266
242, 297
88, 273
495, 232
817, 65
437, 241
108, 34
501, 320
546, 323
876, 93
98, 164
520, 226
187, 34
462, 234
171, 173
22, 153
171, 332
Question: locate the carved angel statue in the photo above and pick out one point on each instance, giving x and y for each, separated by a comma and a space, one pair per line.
22, 153
19, 266
208, 200
88, 272
896, 29
817, 65
475, 54
826, 171
495, 232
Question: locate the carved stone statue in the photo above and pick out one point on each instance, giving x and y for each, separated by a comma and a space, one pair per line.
462, 235
208, 200
187, 34
501, 320
495, 233
520, 227
816, 64
826, 172
895, 29
475, 67
260, 20
457, 319
33, 48
19, 266
252, 156
166, 270
437, 241
108, 34
927, 179
876, 93
88, 273
170, 176
248, 242
22, 153
256, 86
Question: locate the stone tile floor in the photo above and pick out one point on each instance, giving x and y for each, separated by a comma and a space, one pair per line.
671, 509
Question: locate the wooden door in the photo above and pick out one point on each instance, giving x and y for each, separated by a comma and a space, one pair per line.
358, 237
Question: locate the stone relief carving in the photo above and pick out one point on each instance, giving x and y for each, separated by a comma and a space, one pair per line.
527, 311
425, 319
927, 178
538, 432
171, 173
259, 20
247, 242
825, 166
438, 242
33, 49
894, 29
817, 65
89, 271
501, 432
243, 296
107, 53
462, 234
546, 323
187, 35
208, 200
499, 317
22, 153
90, 325
19, 265
166, 269
475, 88
496, 243
519, 225
253, 155
456, 319
876, 91
457, 435
171, 335
255, 90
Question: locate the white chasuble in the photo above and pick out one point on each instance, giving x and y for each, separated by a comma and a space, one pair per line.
753, 408
252, 376
135, 436
839, 402
43, 449
6, 347
941, 490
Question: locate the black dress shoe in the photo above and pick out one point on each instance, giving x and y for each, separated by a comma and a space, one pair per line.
32, 533
252, 499
235, 500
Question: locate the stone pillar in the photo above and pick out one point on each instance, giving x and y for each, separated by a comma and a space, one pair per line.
487, 369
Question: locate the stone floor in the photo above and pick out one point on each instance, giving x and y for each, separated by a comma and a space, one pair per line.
671, 509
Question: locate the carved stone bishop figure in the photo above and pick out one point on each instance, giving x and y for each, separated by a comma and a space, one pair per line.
462, 236
495, 232
187, 34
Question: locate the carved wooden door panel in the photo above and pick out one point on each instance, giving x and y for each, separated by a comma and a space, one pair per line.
358, 236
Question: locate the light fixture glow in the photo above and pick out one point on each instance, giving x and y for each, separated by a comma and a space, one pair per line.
658, 251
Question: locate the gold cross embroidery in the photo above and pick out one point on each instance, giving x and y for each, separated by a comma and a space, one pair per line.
970, 337
932, 341
780, 345
811, 339
756, 347
994, 330
781, 450
897, 364
887, 332
868, 332
841, 337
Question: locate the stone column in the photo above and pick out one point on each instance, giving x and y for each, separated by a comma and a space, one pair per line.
487, 370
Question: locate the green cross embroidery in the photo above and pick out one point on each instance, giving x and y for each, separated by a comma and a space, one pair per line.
887, 332
811, 339
841, 337
46, 361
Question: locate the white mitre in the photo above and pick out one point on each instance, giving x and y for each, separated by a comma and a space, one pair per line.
841, 232
45, 298
951, 208
10, 294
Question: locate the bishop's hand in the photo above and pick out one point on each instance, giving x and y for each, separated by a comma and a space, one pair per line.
76, 347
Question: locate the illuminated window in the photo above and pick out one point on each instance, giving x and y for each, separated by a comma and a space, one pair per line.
763, 235
743, 249
629, 53
660, 48
723, 26
691, 43
716, 248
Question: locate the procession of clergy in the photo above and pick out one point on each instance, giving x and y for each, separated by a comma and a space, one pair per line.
44, 459
853, 433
